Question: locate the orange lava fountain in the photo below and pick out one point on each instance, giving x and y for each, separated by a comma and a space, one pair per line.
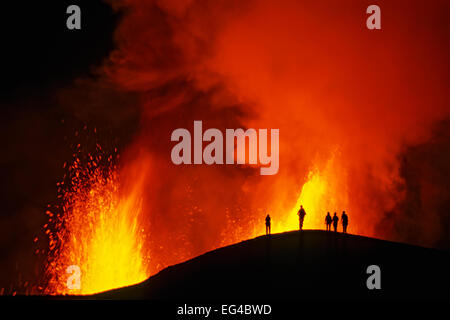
323, 191
98, 231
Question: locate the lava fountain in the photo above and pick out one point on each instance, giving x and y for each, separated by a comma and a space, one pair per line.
324, 189
98, 229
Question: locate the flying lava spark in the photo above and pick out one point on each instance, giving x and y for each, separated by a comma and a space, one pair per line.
96, 229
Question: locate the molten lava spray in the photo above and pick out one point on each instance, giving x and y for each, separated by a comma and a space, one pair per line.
98, 230
318, 193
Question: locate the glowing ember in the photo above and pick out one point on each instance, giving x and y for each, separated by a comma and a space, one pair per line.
97, 230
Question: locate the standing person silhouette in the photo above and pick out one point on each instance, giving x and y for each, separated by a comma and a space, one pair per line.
335, 222
328, 221
267, 225
301, 215
344, 219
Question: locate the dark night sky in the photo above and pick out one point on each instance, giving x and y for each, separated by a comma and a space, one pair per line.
40, 53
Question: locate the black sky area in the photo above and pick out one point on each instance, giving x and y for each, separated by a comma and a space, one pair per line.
38, 51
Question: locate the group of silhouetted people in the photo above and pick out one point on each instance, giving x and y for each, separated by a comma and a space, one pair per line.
328, 221
334, 220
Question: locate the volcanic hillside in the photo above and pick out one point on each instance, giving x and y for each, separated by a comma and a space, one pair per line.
299, 265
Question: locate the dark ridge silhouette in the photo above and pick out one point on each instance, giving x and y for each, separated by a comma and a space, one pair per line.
300, 265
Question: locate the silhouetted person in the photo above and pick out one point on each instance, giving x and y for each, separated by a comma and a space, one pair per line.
301, 215
344, 219
335, 222
328, 221
267, 224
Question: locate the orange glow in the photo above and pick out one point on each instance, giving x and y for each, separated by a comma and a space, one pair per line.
311, 197
99, 231
324, 190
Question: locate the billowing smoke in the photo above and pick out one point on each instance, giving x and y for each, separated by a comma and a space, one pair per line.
348, 101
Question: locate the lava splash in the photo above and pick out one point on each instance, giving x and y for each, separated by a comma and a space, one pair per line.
97, 230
